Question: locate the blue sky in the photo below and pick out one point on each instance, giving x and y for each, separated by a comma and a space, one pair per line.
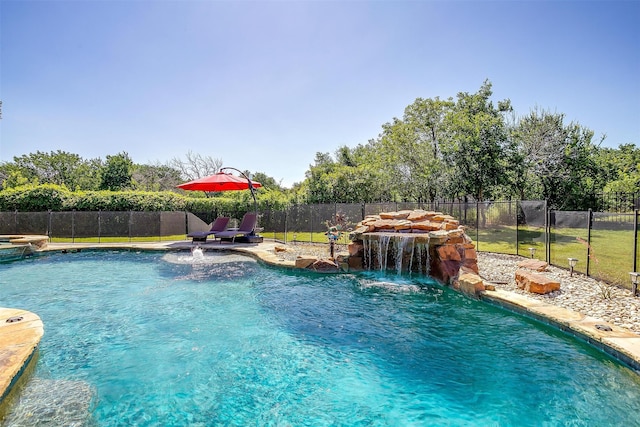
264, 85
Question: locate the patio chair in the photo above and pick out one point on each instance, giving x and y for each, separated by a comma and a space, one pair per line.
219, 225
246, 228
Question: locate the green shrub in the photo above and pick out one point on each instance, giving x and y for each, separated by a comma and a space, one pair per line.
45, 197
128, 200
35, 198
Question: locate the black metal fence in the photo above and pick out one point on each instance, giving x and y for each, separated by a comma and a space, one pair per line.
605, 244
100, 225
618, 202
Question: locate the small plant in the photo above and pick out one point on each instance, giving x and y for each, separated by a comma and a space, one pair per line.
335, 230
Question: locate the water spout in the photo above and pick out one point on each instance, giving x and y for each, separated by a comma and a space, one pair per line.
197, 253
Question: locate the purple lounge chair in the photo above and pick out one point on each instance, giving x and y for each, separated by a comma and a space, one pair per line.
219, 225
246, 228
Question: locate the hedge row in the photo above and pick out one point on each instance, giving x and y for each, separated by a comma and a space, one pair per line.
50, 197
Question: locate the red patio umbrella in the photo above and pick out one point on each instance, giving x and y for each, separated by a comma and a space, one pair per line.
223, 181
220, 181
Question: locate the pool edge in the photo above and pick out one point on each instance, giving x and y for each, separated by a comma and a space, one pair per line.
19, 340
620, 343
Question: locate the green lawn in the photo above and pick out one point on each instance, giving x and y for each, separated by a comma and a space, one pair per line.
611, 256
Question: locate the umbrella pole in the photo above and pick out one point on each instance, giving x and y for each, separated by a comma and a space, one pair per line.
253, 194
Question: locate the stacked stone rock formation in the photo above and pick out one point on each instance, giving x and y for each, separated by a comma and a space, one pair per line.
451, 251
415, 221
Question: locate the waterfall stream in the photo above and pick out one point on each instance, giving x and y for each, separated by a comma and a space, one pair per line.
402, 252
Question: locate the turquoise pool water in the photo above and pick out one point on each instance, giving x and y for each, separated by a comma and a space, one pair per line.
152, 339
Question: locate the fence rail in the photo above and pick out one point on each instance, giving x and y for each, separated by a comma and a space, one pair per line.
606, 244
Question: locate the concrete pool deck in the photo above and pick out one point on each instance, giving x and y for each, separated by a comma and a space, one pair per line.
19, 339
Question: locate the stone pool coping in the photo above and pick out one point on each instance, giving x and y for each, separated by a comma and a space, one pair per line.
19, 341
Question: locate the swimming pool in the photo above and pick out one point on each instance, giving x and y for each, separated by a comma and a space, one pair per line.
156, 339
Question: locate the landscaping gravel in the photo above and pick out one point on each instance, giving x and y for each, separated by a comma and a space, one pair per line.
580, 293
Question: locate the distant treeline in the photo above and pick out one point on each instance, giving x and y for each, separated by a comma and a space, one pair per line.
467, 148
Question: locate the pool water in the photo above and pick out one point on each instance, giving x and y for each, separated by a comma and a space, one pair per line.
151, 339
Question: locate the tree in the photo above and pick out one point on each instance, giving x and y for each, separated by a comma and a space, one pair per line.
57, 167
559, 160
409, 150
12, 177
117, 173
622, 168
267, 181
155, 177
196, 166
344, 181
476, 150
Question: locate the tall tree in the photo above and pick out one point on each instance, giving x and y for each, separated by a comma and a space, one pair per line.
267, 181
117, 173
476, 151
343, 181
559, 160
155, 177
411, 149
622, 167
57, 167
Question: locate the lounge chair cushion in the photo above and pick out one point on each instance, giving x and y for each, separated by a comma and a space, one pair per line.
219, 225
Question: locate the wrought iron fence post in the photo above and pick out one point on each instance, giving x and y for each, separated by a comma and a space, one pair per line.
547, 233
517, 227
73, 226
286, 229
99, 224
635, 240
311, 224
589, 222
477, 225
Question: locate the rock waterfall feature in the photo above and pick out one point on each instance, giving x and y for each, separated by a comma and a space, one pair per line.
415, 241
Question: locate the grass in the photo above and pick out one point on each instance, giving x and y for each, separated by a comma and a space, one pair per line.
303, 237
611, 251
